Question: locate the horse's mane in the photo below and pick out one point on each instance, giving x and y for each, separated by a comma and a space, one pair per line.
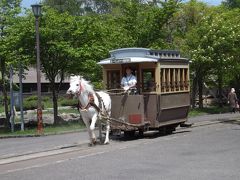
87, 85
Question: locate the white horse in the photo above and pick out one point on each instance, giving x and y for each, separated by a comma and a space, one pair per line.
91, 104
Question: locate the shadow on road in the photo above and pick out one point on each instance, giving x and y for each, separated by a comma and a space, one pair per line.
146, 135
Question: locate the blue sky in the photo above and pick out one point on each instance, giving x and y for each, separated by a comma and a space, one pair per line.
28, 3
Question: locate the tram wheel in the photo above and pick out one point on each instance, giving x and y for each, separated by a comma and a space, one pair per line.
141, 133
170, 130
162, 131
129, 134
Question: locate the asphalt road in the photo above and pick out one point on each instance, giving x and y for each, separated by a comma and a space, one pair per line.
209, 150
18, 146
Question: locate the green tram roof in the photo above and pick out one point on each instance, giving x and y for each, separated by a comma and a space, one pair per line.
140, 55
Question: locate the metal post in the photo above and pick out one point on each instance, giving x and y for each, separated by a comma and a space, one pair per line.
12, 99
39, 110
21, 96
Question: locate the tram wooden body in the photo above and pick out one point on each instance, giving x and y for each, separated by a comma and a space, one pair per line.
162, 100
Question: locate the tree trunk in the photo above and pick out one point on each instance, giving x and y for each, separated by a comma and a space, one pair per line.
55, 103
220, 84
200, 92
194, 91
5, 98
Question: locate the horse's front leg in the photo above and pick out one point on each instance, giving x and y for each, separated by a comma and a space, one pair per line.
107, 133
87, 124
92, 128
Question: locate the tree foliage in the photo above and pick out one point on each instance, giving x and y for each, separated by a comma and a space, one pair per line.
231, 3
76, 34
8, 12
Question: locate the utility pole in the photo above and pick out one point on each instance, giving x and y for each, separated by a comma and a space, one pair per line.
12, 100
36, 8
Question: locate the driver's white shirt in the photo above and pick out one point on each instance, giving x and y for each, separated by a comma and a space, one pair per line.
129, 81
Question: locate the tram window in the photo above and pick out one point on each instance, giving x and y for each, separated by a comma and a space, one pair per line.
148, 80
174, 79
113, 79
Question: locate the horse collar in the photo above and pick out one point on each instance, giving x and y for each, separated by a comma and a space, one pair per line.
89, 104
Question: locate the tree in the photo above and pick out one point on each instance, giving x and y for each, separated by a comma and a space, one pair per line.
55, 46
186, 36
231, 3
80, 7
73, 7
56, 49
9, 9
215, 44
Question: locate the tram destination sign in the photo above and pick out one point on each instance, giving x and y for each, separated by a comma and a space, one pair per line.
120, 61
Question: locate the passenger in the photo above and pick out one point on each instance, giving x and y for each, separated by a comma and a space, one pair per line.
151, 84
232, 100
129, 81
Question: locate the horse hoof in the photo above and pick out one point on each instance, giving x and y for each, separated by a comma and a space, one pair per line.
91, 144
94, 141
105, 143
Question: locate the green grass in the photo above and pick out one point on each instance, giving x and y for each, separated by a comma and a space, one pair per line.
208, 110
48, 130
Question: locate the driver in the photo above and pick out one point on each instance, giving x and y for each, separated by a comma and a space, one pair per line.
129, 80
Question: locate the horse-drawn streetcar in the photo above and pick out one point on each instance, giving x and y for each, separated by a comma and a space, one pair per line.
161, 97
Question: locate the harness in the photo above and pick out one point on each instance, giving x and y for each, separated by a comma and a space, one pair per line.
90, 101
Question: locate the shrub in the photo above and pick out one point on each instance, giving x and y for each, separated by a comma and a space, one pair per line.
98, 85
35, 98
30, 105
1, 99
68, 102
31, 98
46, 99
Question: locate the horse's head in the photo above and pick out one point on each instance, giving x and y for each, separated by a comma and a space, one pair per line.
75, 83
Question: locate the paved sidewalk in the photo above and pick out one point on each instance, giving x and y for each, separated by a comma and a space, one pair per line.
27, 145
214, 117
